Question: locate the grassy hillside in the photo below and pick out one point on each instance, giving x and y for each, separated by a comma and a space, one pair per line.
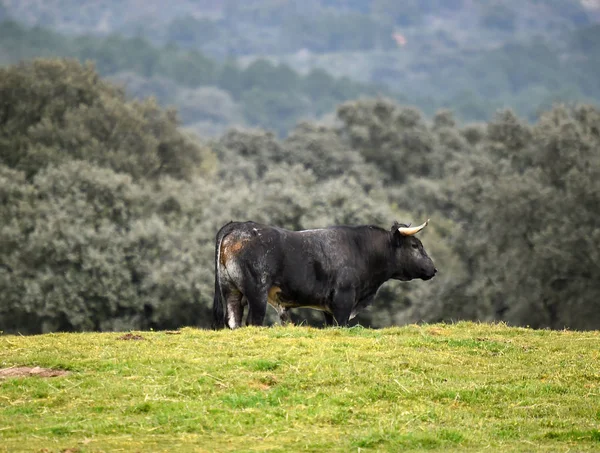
438, 387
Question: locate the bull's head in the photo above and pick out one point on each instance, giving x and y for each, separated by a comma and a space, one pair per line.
411, 258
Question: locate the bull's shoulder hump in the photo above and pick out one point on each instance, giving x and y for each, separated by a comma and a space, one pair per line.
344, 230
312, 230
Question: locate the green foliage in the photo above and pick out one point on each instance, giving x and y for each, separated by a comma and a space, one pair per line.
508, 186
108, 210
346, 37
265, 94
260, 106
332, 32
263, 75
190, 32
395, 139
322, 150
89, 249
543, 56
58, 110
527, 201
82, 246
499, 16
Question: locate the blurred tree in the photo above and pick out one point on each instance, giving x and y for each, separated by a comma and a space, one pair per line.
108, 210
3, 13
189, 32
231, 79
526, 265
330, 32
273, 96
264, 75
393, 138
498, 15
208, 104
321, 150
58, 110
318, 83
247, 154
260, 106
89, 249
189, 69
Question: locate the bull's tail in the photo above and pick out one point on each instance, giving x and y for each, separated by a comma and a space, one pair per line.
219, 307
218, 321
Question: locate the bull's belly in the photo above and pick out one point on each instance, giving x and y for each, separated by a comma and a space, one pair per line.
277, 299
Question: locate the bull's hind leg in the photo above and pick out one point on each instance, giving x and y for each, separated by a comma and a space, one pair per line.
235, 308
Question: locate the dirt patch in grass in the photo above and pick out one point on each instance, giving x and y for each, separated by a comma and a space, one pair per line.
130, 336
26, 371
66, 450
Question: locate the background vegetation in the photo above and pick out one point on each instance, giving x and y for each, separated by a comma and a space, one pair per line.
210, 95
111, 199
109, 210
472, 57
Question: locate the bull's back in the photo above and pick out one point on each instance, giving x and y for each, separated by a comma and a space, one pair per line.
294, 264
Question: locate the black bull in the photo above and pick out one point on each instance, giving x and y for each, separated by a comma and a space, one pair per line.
337, 270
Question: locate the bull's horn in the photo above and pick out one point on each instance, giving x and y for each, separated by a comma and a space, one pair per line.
406, 231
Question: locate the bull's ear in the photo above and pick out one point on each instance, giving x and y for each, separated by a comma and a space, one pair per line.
408, 231
397, 225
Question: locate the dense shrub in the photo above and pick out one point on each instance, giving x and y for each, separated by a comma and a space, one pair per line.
108, 211
54, 111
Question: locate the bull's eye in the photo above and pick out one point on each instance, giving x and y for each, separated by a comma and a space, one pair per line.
414, 246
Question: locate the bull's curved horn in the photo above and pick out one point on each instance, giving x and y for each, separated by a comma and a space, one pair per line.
406, 231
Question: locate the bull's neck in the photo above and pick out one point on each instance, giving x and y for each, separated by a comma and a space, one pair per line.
378, 269
379, 252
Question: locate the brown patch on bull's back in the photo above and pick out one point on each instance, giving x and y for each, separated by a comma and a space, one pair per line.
230, 247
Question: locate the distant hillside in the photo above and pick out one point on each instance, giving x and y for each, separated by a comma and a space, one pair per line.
473, 57
210, 95
274, 26
278, 90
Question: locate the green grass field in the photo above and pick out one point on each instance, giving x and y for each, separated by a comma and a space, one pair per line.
463, 387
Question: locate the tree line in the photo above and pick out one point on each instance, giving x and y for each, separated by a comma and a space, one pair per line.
262, 94
438, 72
109, 208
